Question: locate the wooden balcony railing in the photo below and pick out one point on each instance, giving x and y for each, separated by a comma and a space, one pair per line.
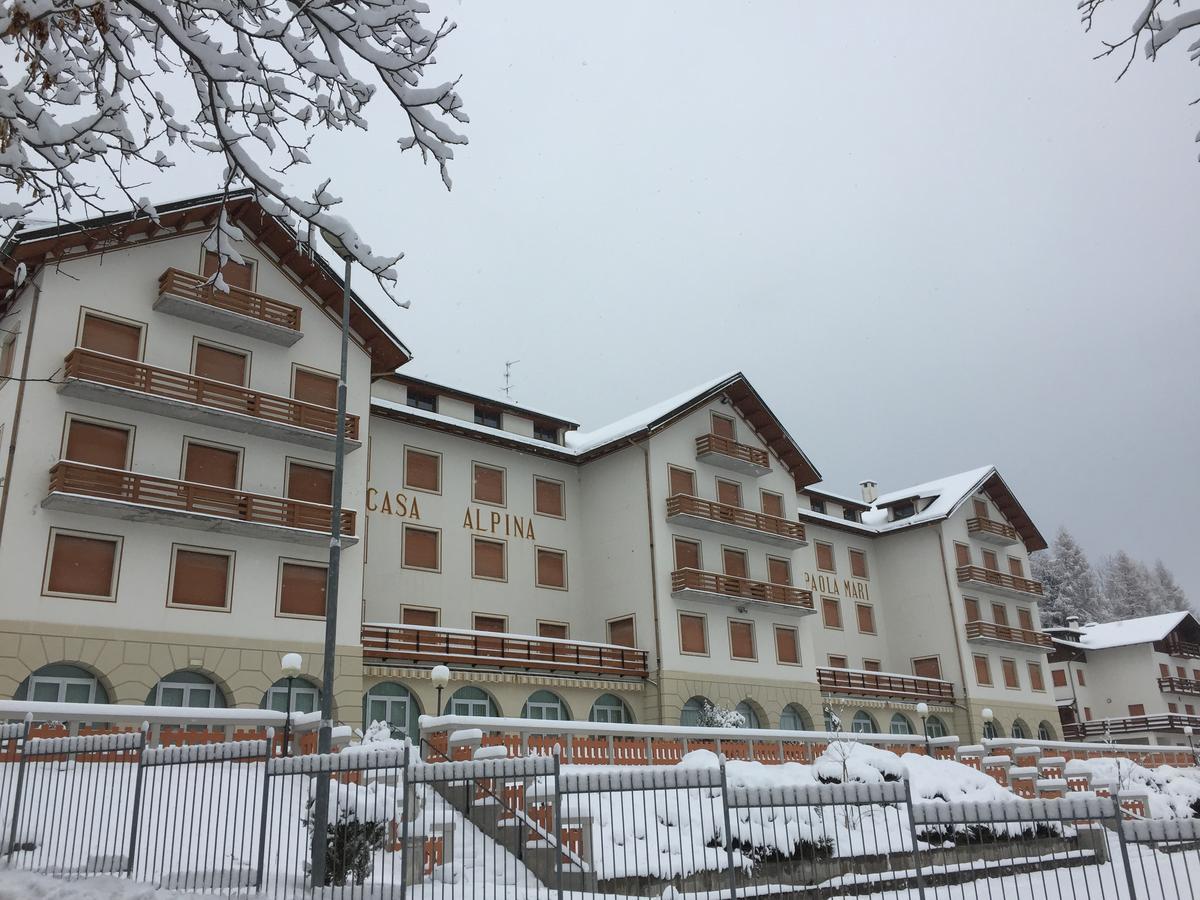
1000, 579
403, 644
991, 526
714, 443
681, 504
732, 586
996, 632
1175, 647
1174, 685
1128, 724
191, 286
137, 376
185, 496
884, 684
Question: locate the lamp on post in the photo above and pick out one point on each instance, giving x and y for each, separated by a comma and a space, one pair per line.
923, 712
440, 676
986, 715
1187, 729
291, 666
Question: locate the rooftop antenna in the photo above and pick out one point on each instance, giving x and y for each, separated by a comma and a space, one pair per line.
508, 378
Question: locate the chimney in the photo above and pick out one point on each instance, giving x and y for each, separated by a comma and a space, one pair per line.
1073, 622
869, 494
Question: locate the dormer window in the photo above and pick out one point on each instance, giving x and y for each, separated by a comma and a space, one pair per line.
818, 506
903, 510
422, 400
489, 418
543, 431
850, 515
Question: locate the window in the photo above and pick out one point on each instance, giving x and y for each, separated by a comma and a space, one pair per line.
900, 724
992, 732
749, 715
544, 431
8, 354
825, 557
831, 612
206, 464
305, 697
234, 274
729, 492
927, 667
1087, 713
682, 481
488, 559
779, 571
481, 622
82, 565
983, 671
999, 614
548, 497
220, 364
421, 548
471, 701
417, 615
850, 515
610, 710
621, 632
972, 607
795, 718
936, 728
772, 503
422, 470
872, 665
487, 484
962, 554
1181, 672
1025, 619
687, 554
393, 703
903, 510
187, 689
418, 399
693, 634
1035, 677
863, 723
689, 714
1015, 568
981, 511
301, 589
866, 618
1080, 678
1009, 668
741, 640
551, 568
61, 683
723, 426
1172, 707
556, 630
1137, 709
735, 561
1189, 709
97, 444
488, 418
858, 563
1058, 677
787, 645
201, 578
1164, 671
313, 484
838, 662
544, 705
315, 388
989, 560
116, 338
817, 506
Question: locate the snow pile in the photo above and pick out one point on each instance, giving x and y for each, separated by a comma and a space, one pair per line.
29, 886
1173, 793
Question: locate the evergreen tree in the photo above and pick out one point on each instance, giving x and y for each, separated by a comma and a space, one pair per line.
1170, 596
1070, 585
1128, 591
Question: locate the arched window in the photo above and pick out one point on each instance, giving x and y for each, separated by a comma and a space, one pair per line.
184, 688
864, 723
795, 718
610, 709
833, 721
689, 716
395, 704
1045, 731
1020, 731
900, 724
748, 713
471, 701
935, 727
306, 697
992, 731
545, 705
62, 683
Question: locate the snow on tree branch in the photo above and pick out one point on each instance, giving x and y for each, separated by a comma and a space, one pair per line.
84, 85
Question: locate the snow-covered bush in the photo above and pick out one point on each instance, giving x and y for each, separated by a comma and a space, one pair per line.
357, 827
712, 716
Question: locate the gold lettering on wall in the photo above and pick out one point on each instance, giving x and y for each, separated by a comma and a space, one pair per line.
393, 504
831, 587
493, 522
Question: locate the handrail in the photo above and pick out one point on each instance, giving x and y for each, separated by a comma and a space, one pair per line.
734, 586
1173, 646
991, 526
883, 684
90, 365
980, 629
999, 579
191, 286
1128, 724
1173, 685
683, 504
715, 443
68, 477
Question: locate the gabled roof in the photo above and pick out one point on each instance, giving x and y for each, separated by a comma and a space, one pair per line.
36, 247
1126, 632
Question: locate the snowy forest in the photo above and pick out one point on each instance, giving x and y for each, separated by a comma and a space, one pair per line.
1119, 587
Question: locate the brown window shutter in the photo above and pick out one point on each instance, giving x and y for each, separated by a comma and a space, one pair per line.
1059, 677
426, 617
772, 504
211, 465
1010, 673
741, 640
547, 497
422, 470
309, 387
682, 482
866, 618
999, 614
201, 579
552, 630
779, 571
489, 558
825, 557
220, 365
980, 509
1164, 670
962, 554
872, 665
787, 646
1035, 677
82, 565
1025, 619
1079, 676
8, 353
858, 564
1015, 567
929, 667
302, 592
114, 338
723, 426
1181, 672
687, 554
488, 485
97, 445
551, 568
497, 624
421, 548
735, 562
621, 632
729, 492
1137, 709
838, 662
972, 607
240, 275
983, 672
692, 637
310, 483
831, 612
989, 560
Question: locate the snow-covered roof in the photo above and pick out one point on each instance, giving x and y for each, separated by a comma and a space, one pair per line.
488, 397
1126, 632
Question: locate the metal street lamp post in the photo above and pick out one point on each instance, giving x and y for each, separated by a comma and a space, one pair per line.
291, 664
440, 676
923, 712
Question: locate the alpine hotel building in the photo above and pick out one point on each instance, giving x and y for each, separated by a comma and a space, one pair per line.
164, 523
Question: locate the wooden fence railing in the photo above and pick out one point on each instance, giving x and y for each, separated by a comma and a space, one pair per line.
884, 684
714, 443
979, 574
682, 504
980, 525
734, 587
191, 286
978, 629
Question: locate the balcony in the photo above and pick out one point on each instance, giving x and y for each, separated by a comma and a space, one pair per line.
135, 385
692, 584
999, 583
1173, 646
858, 683
1078, 731
401, 645
992, 532
1179, 686
118, 494
1003, 635
189, 296
735, 521
729, 454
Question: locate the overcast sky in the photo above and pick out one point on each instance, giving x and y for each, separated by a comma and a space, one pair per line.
933, 235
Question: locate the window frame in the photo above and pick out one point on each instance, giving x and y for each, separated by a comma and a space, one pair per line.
114, 580
830, 657
413, 526
311, 370
482, 410
987, 667
1007, 663
675, 541
787, 563
722, 480
745, 554
538, 623
441, 475
312, 564
429, 396
539, 549
436, 610
143, 327
763, 493
692, 474
289, 461
503, 504
730, 621
248, 261
713, 415
231, 555
197, 341
703, 617
500, 617
188, 441
795, 632
608, 623
870, 608
477, 538
936, 657
851, 553
70, 417
562, 496
1032, 666
832, 557
837, 603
